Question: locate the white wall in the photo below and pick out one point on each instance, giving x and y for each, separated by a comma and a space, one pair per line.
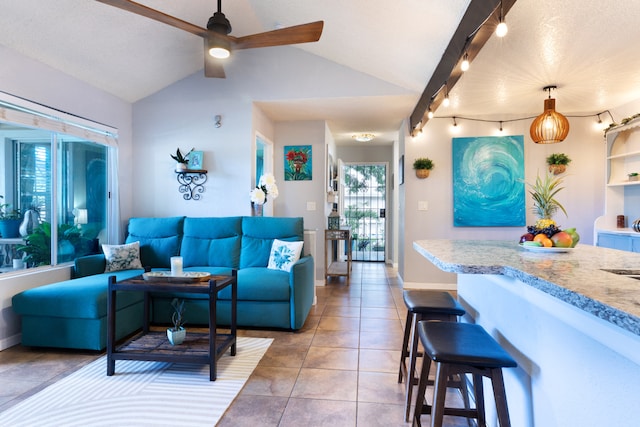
296, 195
582, 197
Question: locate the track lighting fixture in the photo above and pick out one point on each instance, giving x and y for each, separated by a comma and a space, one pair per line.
430, 114
501, 29
465, 62
445, 101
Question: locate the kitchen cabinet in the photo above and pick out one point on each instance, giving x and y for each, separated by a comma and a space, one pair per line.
622, 192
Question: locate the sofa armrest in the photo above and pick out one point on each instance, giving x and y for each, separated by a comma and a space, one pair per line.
302, 282
89, 265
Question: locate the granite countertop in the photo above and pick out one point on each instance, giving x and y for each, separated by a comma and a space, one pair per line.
576, 277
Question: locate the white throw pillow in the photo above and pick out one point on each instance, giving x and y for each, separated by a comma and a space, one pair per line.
284, 254
122, 257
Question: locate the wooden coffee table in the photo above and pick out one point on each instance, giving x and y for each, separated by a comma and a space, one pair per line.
153, 345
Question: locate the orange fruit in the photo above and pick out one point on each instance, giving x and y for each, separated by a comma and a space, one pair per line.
546, 242
539, 237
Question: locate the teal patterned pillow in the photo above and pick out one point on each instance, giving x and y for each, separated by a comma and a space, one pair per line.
284, 254
122, 257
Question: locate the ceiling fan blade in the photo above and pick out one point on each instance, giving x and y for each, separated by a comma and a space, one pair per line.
147, 12
212, 66
303, 33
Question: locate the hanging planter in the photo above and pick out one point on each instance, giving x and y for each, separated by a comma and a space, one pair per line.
423, 166
558, 163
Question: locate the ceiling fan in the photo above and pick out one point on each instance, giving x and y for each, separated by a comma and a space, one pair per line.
217, 42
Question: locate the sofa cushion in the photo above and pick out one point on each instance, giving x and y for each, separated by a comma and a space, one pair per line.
284, 254
258, 234
84, 298
213, 242
159, 239
260, 284
122, 257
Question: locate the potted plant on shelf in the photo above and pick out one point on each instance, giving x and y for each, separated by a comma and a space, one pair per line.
633, 176
10, 220
182, 160
558, 163
423, 165
177, 333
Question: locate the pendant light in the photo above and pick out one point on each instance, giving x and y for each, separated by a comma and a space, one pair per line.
550, 127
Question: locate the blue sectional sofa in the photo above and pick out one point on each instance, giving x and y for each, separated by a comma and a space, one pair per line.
72, 313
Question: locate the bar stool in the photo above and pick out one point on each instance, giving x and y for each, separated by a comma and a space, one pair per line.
461, 348
422, 305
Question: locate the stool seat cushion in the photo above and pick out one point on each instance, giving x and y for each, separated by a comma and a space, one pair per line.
438, 302
464, 344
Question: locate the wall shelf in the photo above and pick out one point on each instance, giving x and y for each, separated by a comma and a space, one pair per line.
191, 183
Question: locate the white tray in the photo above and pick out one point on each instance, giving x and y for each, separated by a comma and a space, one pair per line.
543, 249
187, 276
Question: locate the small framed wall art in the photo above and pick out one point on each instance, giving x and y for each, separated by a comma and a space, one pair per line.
297, 163
196, 160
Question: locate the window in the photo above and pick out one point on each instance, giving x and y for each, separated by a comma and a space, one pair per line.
59, 182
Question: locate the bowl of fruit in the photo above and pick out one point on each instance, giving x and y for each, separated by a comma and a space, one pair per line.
545, 236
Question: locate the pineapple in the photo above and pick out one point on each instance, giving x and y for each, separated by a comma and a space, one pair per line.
545, 205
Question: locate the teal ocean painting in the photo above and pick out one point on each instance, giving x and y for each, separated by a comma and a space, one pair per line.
488, 181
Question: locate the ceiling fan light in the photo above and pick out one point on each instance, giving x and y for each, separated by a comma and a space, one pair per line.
219, 52
550, 127
219, 48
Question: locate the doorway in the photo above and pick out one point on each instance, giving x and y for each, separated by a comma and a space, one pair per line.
365, 201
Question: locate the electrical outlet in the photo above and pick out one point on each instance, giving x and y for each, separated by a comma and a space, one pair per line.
423, 205
311, 206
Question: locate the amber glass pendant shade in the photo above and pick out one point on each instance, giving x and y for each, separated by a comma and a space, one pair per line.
550, 127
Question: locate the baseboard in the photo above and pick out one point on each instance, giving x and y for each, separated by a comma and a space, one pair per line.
431, 286
5, 343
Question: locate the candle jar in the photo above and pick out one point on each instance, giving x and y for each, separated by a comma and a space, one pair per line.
176, 266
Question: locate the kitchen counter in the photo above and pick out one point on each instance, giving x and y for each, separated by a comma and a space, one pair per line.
573, 328
575, 277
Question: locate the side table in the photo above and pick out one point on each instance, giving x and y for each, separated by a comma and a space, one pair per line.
337, 268
153, 345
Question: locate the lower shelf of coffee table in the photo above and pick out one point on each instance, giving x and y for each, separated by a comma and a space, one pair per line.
155, 346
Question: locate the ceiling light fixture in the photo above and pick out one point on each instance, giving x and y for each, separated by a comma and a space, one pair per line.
430, 114
364, 137
550, 127
465, 62
501, 29
501, 127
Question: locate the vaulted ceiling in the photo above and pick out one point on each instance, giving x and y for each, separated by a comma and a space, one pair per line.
586, 47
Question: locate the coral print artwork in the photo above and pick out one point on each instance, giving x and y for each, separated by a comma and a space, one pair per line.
297, 163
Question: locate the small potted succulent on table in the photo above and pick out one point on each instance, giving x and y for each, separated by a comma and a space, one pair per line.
422, 166
558, 163
177, 333
182, 160
633, 176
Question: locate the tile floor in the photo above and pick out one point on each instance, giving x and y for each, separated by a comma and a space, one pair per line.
340, 369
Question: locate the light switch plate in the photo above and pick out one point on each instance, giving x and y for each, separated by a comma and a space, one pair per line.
311, 206
423, 205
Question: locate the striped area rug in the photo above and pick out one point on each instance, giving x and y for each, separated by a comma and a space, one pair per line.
141, 393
